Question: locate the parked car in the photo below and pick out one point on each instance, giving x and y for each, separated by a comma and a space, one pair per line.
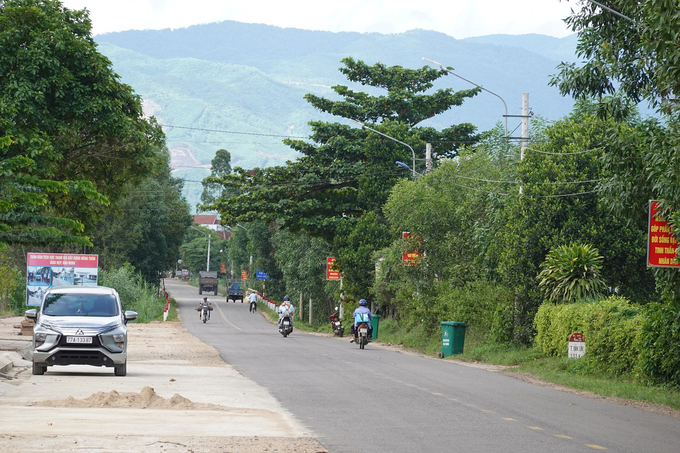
80, 325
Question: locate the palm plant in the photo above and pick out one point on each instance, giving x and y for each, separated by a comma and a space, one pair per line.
570, 273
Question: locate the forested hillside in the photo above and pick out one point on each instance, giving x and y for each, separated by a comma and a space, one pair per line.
248, 80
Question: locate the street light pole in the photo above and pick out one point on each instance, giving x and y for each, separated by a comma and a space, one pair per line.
207, 261
393, 139
478, 86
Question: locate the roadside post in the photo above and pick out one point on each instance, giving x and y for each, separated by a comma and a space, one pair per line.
577, 346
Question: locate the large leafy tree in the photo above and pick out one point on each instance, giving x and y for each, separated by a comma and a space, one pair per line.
561, 204
77, 133
348, 170
634, 54
145, 228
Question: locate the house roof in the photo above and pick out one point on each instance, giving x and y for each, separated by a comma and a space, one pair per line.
206, 219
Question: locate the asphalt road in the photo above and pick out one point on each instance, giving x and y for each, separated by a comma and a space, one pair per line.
381, 400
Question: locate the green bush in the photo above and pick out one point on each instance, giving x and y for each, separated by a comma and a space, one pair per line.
659, 345
610, 327
135, 293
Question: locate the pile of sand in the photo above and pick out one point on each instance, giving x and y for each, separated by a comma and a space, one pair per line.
147, 398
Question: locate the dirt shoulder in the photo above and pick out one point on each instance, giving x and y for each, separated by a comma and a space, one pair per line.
178, 396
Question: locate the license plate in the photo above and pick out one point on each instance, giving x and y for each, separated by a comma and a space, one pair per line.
87, 340
337, 323
286, 323
363, 330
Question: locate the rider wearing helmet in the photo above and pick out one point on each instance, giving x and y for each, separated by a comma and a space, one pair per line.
204, 304
286, 306
361, 314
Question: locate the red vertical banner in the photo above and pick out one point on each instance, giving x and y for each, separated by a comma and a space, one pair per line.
331, 274
223, 270
661, 243
409, 257
244, 275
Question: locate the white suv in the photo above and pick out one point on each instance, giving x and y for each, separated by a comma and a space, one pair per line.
80, 325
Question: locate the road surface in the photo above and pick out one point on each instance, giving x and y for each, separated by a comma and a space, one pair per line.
382, 400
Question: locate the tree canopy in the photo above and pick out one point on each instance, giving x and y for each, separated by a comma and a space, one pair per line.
77, 133
346, 170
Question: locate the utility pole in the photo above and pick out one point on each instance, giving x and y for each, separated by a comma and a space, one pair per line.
428, 158
525, 125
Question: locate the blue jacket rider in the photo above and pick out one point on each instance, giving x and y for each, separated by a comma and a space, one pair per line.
362, 314
286, 307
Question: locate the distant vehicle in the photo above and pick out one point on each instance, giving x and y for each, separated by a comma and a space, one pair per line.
234, 291
82, 325
207, 281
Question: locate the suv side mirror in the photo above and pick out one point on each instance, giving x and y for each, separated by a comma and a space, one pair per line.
130, 316
31, 314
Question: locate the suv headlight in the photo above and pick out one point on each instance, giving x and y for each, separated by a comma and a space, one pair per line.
45, 339
119, 339
40, 338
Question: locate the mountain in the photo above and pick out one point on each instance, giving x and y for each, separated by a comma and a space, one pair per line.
240, 86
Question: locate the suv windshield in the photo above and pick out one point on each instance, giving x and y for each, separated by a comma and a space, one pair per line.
80, 305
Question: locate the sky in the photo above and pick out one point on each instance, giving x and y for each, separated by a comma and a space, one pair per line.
456, 18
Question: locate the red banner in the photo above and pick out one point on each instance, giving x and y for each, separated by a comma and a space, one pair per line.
661, 243
222, 268
331, 274
244, 275
60, 259
409, 258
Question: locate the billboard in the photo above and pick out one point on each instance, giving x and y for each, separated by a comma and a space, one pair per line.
661, 243
331, 274
46, 270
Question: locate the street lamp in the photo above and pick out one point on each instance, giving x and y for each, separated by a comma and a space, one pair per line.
401, 164
478, 86
394, 139
207, 261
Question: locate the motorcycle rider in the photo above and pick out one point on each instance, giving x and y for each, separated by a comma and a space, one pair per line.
204, 306
253, 300
361, 314
286, 307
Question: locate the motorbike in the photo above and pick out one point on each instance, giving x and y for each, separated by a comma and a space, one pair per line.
253, 307
205, 311
285, 324
362, 334
336, 323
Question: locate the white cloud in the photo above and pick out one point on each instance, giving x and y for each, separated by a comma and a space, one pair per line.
459, 18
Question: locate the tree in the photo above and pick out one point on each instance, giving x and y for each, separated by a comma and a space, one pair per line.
347, 171
146, 227
77, 133
561, 203
638, 58
220, 166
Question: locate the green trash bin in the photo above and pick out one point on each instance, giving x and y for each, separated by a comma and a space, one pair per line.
375, 323
453, 337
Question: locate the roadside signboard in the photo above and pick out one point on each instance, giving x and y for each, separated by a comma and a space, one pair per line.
661, 243
331, 274
244, 275
46, 270
577, 345
185, 272
261, 275
409, 258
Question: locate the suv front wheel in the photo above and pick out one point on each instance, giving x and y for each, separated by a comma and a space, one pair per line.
120, 370
39, 370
